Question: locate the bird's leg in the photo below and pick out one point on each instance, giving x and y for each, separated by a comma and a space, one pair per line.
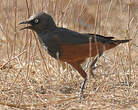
92, 66
82, 87
78, 67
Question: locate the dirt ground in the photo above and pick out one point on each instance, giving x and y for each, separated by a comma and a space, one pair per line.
31, 79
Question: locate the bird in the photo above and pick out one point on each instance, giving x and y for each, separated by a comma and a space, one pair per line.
69, 46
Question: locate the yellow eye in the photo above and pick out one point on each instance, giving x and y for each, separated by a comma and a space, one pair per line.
36, 21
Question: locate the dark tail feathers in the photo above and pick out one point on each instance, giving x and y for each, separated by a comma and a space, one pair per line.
122, 41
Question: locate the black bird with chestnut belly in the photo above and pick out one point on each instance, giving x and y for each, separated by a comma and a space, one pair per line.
69, 46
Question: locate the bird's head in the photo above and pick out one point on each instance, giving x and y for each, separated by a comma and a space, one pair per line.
39, 22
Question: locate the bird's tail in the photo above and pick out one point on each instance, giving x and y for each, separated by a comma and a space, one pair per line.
122, 41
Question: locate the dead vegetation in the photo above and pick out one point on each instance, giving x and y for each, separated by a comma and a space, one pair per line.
31, 79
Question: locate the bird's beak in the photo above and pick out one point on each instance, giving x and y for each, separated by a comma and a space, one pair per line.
27, 27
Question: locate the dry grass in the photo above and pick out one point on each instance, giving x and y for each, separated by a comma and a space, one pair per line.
31, 79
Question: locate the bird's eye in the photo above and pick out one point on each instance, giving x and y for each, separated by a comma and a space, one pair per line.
36, 21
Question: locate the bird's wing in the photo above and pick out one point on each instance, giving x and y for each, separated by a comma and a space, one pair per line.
56, 39
66, 36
